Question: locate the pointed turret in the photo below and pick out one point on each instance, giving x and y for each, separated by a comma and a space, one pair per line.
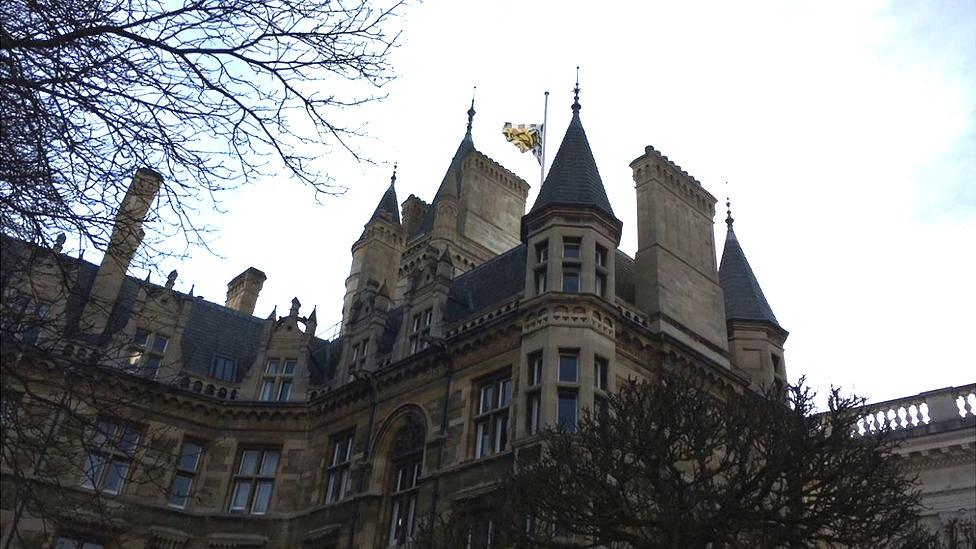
376, 255
755, 337
388, 206
574, 179
572, 220
744, 299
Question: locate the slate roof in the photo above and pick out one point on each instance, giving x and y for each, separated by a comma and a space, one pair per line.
624, 277
573, 178
491, 282
388, 203
744, 299
211, 329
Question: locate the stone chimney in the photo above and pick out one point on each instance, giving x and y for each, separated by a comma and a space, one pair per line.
243, 290
413, 211
127, 235
676, 276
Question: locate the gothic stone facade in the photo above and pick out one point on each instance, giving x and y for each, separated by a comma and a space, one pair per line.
467, 324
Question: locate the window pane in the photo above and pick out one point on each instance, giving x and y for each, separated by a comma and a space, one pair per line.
336, 452
568, 368
535, 370
501, 432
93, 470
343, 485
151, 366
290, 366
571, 248
159, 344
115, 476
330, 487
272, 367
540, 282
542, 252
601, 373
190, 456
249, 462
129, 441
179, 492
394, 522
140, 337
242, 490
262, 497
104, 432
481, 440
566, 414
487, 397
66, 543
269, 464
571, 282
267, 389
534, 408
224, 369
411, 508
505, 393
284, 392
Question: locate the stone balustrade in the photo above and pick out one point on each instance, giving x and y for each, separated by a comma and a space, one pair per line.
939, 409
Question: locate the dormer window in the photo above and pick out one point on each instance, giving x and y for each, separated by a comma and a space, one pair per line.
152, 347
420, 330
223, 369
278, 379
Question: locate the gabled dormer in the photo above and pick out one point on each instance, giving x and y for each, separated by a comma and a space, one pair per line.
282, 370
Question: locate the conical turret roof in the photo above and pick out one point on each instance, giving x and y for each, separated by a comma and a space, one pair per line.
574, 178
744, 299
388, 203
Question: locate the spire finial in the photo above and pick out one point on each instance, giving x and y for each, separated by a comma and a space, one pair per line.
471, 111
393, 177
728, 211
576, 90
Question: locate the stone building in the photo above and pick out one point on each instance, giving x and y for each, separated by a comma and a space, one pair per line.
467, 324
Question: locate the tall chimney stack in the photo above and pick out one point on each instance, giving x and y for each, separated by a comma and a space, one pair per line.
127, 235
243, 290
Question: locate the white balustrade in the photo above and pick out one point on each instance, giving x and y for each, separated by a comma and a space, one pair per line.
942, 407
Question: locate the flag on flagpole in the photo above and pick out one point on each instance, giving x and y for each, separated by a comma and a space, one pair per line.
527, 137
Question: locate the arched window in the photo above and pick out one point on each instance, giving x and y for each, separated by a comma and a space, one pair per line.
406, 457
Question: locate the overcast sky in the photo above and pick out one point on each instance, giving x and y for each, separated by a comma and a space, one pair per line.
845, 131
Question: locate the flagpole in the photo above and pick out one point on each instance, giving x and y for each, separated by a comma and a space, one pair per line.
545, 130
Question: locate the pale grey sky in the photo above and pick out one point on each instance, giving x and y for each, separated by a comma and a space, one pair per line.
845, 131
